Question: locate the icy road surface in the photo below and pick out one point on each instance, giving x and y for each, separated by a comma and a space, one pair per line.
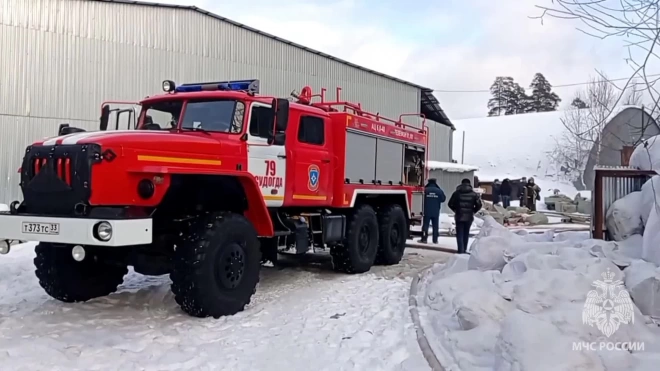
303, 317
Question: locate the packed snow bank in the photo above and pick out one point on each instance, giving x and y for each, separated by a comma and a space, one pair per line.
530, 310
624, 217
647, 155
4, 207
298, 320
502, 147
450, 167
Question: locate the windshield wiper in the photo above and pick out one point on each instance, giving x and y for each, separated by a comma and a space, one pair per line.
201, 130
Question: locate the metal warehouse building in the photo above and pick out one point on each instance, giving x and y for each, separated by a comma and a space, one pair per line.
60, 59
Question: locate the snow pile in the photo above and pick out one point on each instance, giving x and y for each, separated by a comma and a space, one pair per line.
515, 146
624, 217
647, 155
516, 304
4, 207
297, 320
450, 167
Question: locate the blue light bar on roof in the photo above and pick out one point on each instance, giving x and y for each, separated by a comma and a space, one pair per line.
250, 86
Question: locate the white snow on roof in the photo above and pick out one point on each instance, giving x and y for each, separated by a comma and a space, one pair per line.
450, 167
512, 146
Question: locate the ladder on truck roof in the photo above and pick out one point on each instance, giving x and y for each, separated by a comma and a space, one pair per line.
403, 146
306, 95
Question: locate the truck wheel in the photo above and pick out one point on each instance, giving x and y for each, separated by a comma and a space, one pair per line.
70, 281
358, 252
393, 235
216, 268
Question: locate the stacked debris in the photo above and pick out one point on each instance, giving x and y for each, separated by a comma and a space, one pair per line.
564, 204
513, 215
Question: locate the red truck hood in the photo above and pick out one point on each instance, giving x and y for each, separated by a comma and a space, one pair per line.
145, 139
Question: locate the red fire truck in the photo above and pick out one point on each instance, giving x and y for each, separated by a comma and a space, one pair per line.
208, 181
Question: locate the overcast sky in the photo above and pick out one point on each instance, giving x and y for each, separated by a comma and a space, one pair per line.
441, 44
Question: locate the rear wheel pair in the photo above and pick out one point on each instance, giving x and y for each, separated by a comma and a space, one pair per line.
215, 270
371, 238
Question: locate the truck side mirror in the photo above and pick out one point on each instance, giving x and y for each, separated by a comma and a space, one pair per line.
281, 111
278, 139
105, 116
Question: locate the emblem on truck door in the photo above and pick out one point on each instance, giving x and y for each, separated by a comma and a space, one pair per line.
314, 173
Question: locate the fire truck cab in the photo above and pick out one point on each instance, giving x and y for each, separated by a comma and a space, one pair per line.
208, 181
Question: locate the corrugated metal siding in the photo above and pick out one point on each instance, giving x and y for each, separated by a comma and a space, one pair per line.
62, 58
16, 133
448, 181
440, 141
69, 55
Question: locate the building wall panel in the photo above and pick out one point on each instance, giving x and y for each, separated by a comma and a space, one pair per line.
72, 53
440, 141
68, 56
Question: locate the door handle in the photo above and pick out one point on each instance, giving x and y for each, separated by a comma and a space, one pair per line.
281, 156
325, 161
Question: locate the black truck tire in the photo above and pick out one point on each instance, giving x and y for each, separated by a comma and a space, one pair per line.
216, 267
71, 281
393, 235
358, 252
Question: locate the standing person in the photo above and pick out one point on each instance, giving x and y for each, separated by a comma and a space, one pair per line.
532, 193
433, 199
496, 191
465, 202
521, 191
505, 193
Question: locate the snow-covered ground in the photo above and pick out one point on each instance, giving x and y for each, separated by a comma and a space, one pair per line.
303, 317
518, 303
513, 147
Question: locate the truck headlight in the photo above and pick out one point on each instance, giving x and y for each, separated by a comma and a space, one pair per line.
103, 231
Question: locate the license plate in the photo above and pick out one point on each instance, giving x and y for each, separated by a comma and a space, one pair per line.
41, 228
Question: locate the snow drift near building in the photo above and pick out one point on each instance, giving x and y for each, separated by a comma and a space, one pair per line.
518, 305
513, 147
297, 320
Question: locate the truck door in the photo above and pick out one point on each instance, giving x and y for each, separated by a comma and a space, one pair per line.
266, 162
313, 162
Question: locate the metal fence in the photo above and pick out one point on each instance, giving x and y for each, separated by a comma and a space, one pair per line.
611, 184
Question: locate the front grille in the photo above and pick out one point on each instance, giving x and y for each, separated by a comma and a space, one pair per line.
62, 168
55, 179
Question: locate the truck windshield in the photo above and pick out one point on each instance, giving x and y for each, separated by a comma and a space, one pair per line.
224, 116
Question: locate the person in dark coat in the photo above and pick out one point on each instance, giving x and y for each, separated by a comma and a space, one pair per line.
496, 191
521, 191
464, 202
505, 193
531, 194
433, 199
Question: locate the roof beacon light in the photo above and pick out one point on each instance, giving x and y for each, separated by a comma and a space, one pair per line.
249, 86
168, 86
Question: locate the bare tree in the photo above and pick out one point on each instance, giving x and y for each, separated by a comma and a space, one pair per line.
571, 150
584, 128
633, 95
636, 22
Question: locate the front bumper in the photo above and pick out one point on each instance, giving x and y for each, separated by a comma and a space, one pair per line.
74, 231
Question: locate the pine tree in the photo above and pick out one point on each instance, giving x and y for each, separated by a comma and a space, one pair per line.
543, 99
500, 93
578, 103
518, 100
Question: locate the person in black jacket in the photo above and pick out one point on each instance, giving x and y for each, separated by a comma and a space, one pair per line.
505, 193
496, 191
433, 199
464, 202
